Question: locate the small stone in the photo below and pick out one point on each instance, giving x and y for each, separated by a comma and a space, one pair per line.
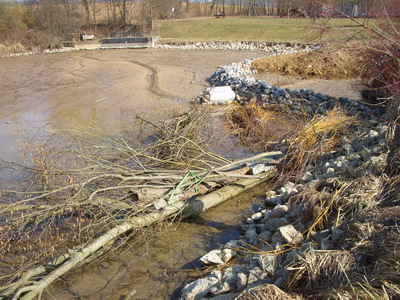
274, 224
241, 281
257, 275
290, 257
278, 211
272, 201
373, 133
217, 274
279, 282
198, 288
227, 254
307, 177
212, 258
249, 221
267, 263
290, 234
219, 288
251, 236
326, 246
257, 216
330, 170
264, 236
260, 228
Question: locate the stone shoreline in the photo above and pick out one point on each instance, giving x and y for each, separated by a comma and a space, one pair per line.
276, 230
248, 89
278, 48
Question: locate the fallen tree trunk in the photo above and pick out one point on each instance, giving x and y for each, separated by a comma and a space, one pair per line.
65, 263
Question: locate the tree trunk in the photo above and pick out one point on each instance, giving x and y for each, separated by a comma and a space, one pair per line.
87, 11
123, 12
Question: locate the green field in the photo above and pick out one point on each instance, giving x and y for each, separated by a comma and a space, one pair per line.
256, 29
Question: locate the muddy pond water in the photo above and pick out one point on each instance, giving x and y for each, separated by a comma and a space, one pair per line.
82, 91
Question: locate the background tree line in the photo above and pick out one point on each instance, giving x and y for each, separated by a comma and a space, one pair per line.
44, 23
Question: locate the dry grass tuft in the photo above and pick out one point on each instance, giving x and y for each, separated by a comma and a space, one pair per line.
318, 136
260, 127
317, 269
325, 63
12, 49
268, 291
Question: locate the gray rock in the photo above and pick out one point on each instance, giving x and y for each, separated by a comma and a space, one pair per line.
220, 288
241, 281
244, 227
227, 254
278, 211
260, 228
290, 234
290, 257
198, 288
251, 236
274, 224
279, 282
272, 201
307, 177
249, 221
275, 238
257, 216
267, 263
217, 274
212, 258
257, 275
330, 170
324, 235
264, 236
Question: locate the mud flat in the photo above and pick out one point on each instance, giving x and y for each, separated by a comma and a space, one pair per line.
102, 89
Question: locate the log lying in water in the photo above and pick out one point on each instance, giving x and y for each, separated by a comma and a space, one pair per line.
84, 253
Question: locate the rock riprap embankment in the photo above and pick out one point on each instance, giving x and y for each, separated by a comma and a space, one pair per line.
279, 48
46, 51
298, 102
279, 232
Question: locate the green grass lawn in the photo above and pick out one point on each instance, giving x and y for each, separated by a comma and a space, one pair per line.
255, 29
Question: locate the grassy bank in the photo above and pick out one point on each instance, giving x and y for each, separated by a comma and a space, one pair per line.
256, 29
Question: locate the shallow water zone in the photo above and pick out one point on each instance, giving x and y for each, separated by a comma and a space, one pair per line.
82, 91
163, 260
